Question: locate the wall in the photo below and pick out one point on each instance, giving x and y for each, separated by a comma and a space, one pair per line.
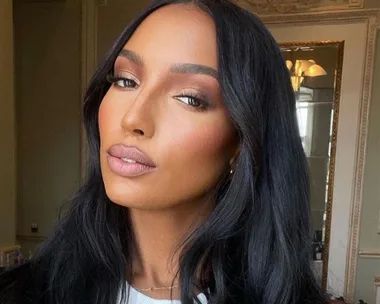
372, 3
369, 238
7, 128
48, 84
121, 13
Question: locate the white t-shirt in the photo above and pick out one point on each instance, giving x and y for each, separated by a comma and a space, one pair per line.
136, 297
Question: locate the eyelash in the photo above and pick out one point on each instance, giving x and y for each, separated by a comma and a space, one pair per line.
198, 98
115, 79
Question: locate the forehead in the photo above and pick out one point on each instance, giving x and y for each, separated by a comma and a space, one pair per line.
176, 33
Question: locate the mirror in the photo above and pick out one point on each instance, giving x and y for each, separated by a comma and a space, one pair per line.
315, 70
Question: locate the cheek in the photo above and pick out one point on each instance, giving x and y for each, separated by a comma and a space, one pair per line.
104, 116
196, 156
203, 145
108, 118
205, 142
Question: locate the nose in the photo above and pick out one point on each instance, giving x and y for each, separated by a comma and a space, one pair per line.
138, 119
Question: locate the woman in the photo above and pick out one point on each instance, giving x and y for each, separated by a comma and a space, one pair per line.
197, 184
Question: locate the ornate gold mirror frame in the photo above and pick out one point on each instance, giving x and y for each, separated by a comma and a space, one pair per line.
337, 47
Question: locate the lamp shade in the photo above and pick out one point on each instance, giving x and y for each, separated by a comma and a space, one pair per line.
301, 66
315, 70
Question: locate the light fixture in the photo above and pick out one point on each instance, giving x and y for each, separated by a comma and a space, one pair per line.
301, 69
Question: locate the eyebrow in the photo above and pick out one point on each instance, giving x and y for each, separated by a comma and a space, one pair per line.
132, 56
181, 68
191, 68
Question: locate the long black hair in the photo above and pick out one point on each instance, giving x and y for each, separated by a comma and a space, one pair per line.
254, 247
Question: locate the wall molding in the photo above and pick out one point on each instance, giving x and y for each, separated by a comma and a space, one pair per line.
89, 55
10, 249
27, 237
371, 18
331, 17
101, 2
89, 40
265, 7
37, 1
369, 254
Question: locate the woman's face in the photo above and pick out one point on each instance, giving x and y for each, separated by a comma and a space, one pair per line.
165, 134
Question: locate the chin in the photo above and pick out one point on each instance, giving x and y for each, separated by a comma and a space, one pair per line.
121, 195
124, 196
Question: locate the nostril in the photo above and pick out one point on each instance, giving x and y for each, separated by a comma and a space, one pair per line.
138, 131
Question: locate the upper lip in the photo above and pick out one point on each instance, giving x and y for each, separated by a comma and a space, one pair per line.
133, 153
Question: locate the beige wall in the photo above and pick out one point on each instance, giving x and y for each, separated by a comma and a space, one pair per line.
371, 3
7, 128
121, 13
369, 238
48, 82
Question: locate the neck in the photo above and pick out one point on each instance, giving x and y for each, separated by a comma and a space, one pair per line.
159, 237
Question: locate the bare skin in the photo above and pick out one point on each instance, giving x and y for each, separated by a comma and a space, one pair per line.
191, 146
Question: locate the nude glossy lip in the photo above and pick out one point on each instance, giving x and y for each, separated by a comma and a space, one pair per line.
129, 161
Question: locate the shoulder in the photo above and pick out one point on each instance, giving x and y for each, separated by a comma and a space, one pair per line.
18, 285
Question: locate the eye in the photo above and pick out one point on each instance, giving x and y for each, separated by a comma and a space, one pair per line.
193, 100
122, 82
126, 83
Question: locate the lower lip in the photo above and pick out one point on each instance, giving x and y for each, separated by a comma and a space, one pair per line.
125, 169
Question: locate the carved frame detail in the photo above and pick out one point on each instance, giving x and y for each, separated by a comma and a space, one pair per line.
264, 7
